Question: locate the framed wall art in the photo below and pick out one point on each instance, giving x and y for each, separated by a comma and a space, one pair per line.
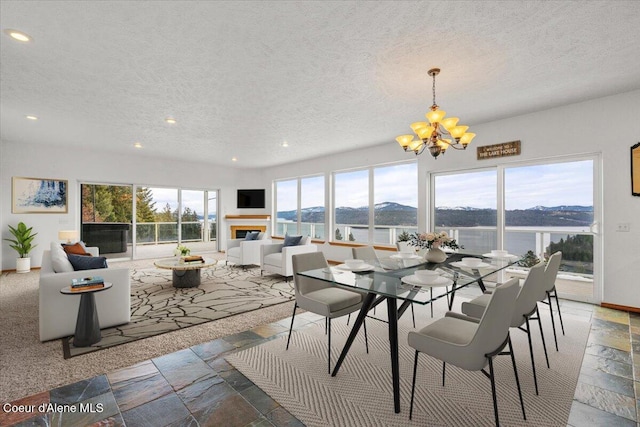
39, 195
635, 169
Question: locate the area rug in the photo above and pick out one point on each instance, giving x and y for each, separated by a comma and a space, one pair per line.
361, 394
157, 307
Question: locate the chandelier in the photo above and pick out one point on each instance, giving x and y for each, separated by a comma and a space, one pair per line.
433, 134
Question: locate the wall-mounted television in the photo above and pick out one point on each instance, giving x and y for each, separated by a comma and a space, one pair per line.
251, 199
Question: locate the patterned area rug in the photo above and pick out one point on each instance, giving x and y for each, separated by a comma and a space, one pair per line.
157, 307
361, 393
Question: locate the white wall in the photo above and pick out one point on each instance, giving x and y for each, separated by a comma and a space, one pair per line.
42, 161
607, 127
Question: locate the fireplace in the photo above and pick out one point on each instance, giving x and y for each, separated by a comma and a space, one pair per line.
240, 231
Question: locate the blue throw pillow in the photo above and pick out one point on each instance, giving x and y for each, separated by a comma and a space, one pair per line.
252, 235
292, 240
80, 262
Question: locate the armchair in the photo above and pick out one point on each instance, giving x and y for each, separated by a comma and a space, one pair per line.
245, 252
276, 258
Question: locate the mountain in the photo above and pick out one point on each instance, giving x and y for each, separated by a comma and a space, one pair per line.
572, 208
391, 213
385, 213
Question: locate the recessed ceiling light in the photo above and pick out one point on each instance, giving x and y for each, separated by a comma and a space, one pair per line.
285, 144
137, 145
234, 159
31, 117
18, 35
170, 120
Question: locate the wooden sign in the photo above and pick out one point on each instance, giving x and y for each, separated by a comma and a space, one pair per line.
635, 169
499, 150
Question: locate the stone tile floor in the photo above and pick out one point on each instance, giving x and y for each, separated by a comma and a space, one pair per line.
197, 387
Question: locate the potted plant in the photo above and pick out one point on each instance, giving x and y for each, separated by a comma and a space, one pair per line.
22, 245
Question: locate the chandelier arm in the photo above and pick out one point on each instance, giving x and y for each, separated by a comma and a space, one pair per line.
424, 145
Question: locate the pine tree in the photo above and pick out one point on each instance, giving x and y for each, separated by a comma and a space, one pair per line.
338, 234
145, 206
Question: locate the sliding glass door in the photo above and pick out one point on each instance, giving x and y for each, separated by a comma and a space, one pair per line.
531, 210
549, 208
164, 218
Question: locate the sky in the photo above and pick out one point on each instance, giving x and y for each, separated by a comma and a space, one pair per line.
194, 199
555, 184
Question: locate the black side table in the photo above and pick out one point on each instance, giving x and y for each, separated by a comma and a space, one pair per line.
87, 323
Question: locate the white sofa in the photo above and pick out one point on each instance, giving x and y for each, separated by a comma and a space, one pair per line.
245, 252
276, 258
58, 312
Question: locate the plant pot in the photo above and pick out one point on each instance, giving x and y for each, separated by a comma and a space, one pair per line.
23, 265
436, 255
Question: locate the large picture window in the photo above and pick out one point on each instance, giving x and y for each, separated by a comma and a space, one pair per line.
373, 205
395, 198
312, 211
467, 212
286, 207
300, 207
351, 213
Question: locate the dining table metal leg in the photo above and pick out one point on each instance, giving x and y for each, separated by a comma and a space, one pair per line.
392, 309
366, 305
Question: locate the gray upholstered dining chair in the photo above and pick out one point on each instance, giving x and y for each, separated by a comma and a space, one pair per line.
369, 253
469, 343
550, 275
322, 297
526, 306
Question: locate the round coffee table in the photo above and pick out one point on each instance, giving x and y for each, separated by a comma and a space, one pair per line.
87, 323
185, 275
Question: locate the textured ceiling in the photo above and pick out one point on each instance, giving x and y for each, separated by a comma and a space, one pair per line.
242, 77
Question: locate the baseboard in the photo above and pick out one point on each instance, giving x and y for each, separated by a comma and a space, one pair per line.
620, 307
13, 270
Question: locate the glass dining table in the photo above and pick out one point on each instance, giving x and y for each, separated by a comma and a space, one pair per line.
391, 279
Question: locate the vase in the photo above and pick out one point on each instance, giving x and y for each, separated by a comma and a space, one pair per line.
435, 255
23, 265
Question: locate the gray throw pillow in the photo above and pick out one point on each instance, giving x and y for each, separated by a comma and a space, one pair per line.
252, 235
292, 240
80, 262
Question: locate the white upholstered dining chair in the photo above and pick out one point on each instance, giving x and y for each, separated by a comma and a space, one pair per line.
469, 343
369, 253
322, 297
550, 275
526, 309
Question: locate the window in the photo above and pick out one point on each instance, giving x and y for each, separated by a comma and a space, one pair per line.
107, 216
351, 212
467, 212
312, 207
548, 208
286, 207
301, 212
395, 191
373, 205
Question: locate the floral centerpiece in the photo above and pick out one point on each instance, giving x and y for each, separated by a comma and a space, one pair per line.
182, 250
434, 242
